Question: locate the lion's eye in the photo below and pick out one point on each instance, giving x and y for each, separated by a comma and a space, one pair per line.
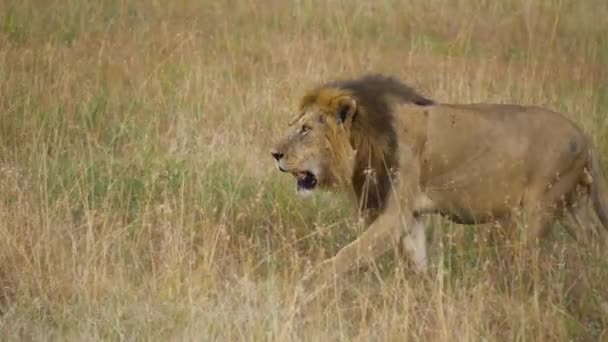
305, 129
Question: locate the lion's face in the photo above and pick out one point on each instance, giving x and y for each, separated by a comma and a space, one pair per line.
305, 153
316, 149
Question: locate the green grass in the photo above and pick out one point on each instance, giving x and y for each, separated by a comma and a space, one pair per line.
139, 201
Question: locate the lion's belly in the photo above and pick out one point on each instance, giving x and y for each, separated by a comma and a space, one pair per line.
477, 189
477, 203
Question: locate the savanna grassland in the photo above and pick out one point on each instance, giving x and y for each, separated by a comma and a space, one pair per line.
139, 201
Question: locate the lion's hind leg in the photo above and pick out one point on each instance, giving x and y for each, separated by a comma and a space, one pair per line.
578, 218
549, 200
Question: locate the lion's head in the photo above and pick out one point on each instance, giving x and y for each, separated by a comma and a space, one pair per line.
344, 128
317, 148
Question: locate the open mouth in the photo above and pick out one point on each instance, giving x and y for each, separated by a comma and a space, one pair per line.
306, 180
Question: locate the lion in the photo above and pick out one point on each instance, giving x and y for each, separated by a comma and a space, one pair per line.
402, 155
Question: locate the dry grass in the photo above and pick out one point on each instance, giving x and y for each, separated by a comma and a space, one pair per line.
138, 200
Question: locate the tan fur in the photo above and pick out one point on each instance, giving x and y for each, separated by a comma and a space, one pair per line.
402, 155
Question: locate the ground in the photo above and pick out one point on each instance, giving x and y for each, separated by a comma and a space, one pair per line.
139, 200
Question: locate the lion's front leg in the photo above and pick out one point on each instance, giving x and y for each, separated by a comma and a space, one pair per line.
382, 235
414, 244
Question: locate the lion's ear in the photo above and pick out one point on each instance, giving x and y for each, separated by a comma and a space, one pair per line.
346, 108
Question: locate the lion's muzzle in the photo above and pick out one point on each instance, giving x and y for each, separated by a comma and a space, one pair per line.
305, 180
278, 156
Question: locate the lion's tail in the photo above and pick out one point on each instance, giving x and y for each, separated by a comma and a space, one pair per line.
598, 189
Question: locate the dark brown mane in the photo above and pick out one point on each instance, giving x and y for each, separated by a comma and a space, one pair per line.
373, 133
372, 90
373, 94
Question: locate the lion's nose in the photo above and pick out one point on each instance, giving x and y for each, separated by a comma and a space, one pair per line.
277, 155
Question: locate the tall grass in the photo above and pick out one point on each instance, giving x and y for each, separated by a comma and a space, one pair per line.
138, 199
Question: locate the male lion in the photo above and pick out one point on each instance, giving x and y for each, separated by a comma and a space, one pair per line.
402, 155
